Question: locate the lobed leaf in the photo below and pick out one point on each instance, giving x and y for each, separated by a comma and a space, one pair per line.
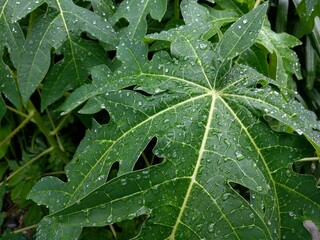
12, 39
51, 31
284, 62
136, 12
73, 70
211, 134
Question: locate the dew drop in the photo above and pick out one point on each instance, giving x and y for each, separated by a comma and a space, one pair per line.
210, 227
225, 196
203, 46
239, 156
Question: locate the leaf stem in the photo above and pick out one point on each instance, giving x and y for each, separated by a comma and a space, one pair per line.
25, 228
28, 163
17, 129
257, 3
114, 233
307, 159
145, 159
16, 111
43, 128
56, 129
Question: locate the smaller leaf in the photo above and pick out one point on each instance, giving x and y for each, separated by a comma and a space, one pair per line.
242, 34
7, 84
73, 70
136, 12
284, 61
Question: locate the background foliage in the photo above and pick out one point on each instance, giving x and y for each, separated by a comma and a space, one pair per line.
76, 75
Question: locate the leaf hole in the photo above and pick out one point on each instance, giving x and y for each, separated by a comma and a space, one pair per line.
121, 23
113, 171
241, 190
306, 167
148, 158
207, 3
102, 117
135, 88
57, 58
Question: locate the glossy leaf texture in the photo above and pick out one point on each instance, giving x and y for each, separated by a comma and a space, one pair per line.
211, 132
12, 39
284, 62
136, 12
60, 25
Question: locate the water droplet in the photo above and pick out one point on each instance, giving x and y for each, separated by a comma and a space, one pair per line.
210, 227
239, 156
123, 181
225, 196
299, 131
244, 21
203, 46
259, 188
166, 120
288, 173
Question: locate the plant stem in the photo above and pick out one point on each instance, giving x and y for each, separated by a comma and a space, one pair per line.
43, 128
113, 231
145, 159
17, 129
257, 4
16, 111
25, 228
308, 159
28, 163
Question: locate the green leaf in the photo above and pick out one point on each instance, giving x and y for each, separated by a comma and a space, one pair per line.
7, 84
73, 70
51, 31
308, 11
237, 5
211, 133
12, 39
12, 35
136, 12
2, 193
284, 62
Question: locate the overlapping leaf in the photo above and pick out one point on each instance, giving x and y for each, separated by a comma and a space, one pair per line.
284, 61
50, 31
12, 38
211, 134
136, 12
73, 70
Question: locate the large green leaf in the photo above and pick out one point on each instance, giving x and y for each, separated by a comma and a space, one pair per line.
211, 133
63, 22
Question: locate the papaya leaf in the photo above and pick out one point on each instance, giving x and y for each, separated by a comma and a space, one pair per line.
211, 133
136, 12
65, 21
73, 70
12, 39
284, 62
